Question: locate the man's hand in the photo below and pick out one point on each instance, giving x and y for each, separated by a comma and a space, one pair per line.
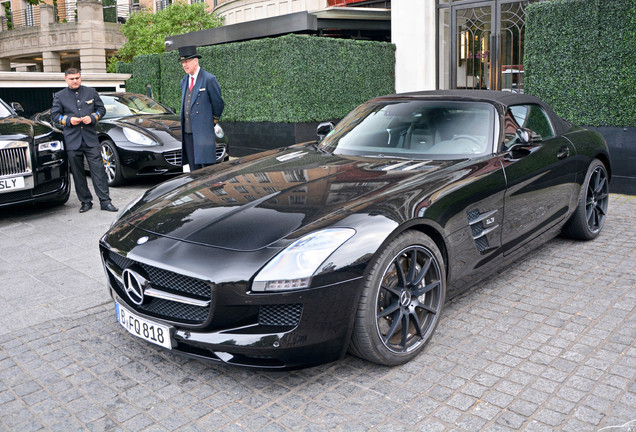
86, 120
76, 120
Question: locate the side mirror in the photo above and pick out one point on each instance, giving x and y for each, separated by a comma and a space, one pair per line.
17, 107
324, 129
528, 136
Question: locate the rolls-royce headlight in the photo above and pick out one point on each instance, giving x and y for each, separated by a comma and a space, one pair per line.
294, 267
51, 146
137, 137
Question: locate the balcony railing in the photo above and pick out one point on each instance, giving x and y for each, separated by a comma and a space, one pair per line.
65, 12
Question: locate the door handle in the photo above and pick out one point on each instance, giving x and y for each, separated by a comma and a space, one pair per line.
563, 152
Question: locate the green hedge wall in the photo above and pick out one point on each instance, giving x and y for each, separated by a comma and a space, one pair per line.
286, 79
146, 69
580, 56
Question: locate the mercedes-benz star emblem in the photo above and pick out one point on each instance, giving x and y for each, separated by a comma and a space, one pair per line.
134, 284
142, 240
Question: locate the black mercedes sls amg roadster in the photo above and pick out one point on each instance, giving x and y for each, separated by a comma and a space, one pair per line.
352, 243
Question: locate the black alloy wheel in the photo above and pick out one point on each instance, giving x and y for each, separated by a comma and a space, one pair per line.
402, 301
589, 217
596, 200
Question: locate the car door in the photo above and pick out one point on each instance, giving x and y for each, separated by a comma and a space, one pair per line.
540, 176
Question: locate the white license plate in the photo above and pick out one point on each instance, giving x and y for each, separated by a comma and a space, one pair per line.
140, 327
11, 184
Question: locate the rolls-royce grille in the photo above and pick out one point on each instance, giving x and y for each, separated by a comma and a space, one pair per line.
167, 295
15, 159
173, 157
280, 315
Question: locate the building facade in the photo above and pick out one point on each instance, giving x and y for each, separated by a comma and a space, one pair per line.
473, 44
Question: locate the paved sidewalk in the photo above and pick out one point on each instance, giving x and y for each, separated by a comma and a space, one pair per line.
546, 345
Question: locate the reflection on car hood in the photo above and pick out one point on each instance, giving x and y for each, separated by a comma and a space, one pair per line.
18, 128
170, 123
255, 201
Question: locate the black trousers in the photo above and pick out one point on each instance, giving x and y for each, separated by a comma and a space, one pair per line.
98, 174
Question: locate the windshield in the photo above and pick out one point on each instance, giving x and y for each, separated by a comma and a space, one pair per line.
4, 110
415, 130
125, 105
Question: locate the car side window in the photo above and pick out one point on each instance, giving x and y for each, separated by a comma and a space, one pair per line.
529, 116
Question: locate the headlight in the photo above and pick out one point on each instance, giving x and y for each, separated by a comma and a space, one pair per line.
51, 146
138, 138
294, 267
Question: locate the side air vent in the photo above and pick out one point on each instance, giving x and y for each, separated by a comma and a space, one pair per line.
481, 224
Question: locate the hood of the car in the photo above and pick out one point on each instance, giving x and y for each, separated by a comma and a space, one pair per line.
18, 128
256, 201
155, 123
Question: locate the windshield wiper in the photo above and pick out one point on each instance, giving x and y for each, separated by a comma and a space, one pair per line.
382, 156
317, 146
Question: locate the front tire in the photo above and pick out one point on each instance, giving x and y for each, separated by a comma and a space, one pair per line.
401, 301
112, 164
589, 217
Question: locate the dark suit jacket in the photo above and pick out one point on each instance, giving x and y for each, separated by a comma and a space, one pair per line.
69, 103
206, 109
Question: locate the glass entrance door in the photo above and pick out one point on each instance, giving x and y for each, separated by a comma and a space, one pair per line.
471, 47
486, 45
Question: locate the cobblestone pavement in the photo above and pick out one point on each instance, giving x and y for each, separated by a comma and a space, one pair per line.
548, 344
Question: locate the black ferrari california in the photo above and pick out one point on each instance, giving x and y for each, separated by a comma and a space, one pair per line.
140, 137
353, 243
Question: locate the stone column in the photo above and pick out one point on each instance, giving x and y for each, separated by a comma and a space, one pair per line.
93, 60
90, 18
47, 15
51, 61
5, 65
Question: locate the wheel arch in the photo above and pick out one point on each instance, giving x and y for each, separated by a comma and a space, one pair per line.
428, 228
606, 161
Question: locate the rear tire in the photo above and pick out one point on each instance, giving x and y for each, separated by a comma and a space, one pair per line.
589, 217
401, 301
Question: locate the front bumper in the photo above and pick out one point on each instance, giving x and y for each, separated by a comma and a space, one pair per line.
268, 331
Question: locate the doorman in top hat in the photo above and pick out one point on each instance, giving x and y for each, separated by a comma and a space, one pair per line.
201, 108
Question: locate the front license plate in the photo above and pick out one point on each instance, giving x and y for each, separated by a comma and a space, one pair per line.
140, 327
11, 184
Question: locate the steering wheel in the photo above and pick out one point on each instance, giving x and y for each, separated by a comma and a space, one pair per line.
475, 147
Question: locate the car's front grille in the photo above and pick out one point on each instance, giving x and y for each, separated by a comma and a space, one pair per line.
221, 152
14, 158
280, 314
167, 295
17, 196
173, 157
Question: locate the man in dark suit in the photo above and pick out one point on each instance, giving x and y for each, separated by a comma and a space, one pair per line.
77, 109
201, 108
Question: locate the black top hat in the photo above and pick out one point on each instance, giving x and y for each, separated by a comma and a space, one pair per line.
188, 52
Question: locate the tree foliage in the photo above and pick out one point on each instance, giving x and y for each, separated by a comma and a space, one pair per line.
145, 31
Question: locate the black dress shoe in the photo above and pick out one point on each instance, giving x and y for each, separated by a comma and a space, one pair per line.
109, 207
86, 207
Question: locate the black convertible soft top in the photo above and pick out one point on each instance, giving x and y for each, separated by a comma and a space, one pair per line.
501, 99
